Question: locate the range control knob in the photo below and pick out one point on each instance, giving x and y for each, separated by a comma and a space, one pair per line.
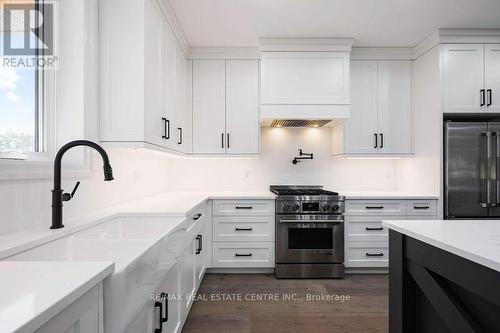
296, 207
326, 208
335, 207
286, 207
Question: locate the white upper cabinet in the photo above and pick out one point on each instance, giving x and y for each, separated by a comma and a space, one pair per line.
381, 112
492, 77
394, 107
305, 78
463, 77
209, 98
242, 107
145, 82
225, 107
471, 78
361, 128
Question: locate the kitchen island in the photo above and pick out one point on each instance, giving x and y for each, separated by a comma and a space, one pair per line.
444, 276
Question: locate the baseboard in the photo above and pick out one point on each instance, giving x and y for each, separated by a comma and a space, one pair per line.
266, 270
357, 270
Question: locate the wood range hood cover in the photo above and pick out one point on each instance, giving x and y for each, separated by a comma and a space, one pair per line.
304, 79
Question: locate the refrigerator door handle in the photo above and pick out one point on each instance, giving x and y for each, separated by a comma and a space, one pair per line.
488, 168
495, 169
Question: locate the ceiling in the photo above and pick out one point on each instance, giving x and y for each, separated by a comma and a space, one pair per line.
388, 23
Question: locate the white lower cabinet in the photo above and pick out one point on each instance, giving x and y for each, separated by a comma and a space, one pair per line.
83, 315
243, 233
169, 305
366, 239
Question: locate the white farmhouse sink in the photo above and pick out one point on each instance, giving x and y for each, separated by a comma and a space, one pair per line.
142, 248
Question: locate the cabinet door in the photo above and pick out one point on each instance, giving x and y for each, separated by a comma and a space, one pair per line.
188, 285
394, 107
209, 102
360, 129
463, 77
171, 286
242, 107
492, 77
201, 257
305, 78
155, 75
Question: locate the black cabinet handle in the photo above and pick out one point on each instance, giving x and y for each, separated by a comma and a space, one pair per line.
164, 297
374, 229
222, 140
381, 140
421, 207
244, 207
180, 136
243, 255
158, 305
489, 97
376, 140
483, 102
197, 217
199, 239
228, 141
374, 207
243, 229
368, 254
166, 129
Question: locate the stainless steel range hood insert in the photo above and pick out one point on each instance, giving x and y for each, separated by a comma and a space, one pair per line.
299, 122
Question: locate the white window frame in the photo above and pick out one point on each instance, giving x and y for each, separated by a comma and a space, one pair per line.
39, 165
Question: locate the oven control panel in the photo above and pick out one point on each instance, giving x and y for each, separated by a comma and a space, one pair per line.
309, 207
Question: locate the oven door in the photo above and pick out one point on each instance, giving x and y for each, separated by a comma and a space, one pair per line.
309, 239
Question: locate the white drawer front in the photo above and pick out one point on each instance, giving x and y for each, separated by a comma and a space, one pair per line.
368, 256
243, 207
243, 228
375, 207
255, 254
421, 207
367, 231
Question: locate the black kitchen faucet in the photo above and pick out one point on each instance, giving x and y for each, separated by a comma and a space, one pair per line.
57, 193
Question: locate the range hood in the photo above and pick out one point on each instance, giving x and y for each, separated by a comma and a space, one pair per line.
304, 81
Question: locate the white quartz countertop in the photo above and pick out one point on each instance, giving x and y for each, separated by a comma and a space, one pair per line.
387, 195
166, 204
33, 292
475, 240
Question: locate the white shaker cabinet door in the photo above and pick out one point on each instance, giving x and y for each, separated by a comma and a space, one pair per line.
463, 77
361, 128
209, 101
242, 107
155, 107
394, 107
492, 77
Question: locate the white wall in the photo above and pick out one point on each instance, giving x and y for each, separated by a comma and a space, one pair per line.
274, 166
26, 203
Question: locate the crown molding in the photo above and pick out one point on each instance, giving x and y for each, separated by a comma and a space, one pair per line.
211, 52
169, 12
305, 44
457, 36
382, 53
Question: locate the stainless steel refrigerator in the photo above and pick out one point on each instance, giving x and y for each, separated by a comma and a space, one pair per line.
471, 175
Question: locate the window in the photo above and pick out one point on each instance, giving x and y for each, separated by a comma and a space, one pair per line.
21, 116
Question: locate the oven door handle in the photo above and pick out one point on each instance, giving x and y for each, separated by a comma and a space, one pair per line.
312, 221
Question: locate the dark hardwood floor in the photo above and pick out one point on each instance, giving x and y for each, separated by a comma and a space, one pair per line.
365, 311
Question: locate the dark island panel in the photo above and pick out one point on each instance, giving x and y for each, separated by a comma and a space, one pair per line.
432, 290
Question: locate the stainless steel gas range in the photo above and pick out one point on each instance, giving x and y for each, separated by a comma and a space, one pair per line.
309, 232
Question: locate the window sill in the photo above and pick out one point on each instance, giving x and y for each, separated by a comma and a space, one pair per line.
11, 169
